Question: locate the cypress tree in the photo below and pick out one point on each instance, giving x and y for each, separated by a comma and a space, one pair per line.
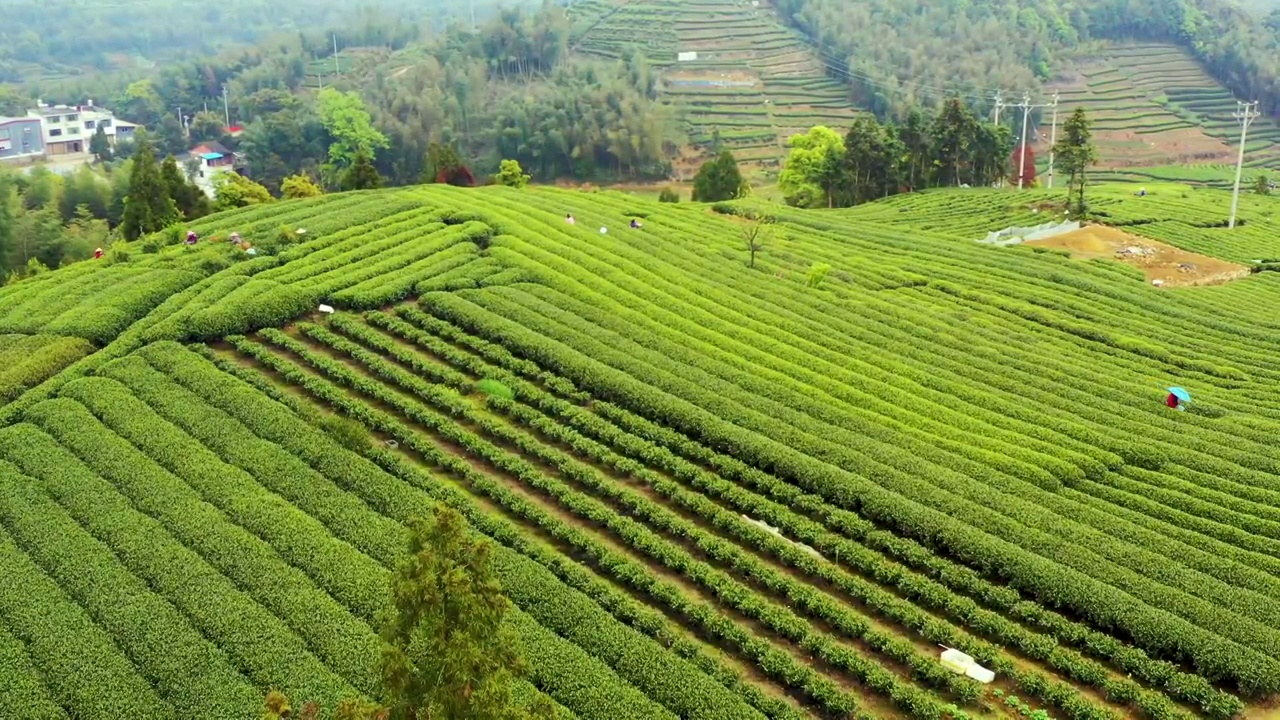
148, 207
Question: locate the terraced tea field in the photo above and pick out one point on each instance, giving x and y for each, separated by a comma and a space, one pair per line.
715, 491
753, 81
1154, 106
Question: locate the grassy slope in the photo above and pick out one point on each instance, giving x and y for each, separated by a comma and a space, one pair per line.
968, 440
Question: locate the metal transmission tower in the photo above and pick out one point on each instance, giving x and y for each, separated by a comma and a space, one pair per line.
1053, 136
1245, 113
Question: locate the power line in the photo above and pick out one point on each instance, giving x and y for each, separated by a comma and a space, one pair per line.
1053, 137
1026, 115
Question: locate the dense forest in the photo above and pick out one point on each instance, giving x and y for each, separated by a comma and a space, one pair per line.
510, 87
507, 90
900, 53
75, 35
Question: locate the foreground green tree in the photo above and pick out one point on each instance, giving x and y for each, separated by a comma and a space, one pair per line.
148, 207
511, 174
447, 653
1262, 184
719, 179
1075, 153
278, 707
299, 186
811, 175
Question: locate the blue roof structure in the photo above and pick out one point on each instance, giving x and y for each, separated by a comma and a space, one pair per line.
211, 156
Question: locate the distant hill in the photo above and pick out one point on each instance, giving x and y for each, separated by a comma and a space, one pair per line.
745, 76
1153, 106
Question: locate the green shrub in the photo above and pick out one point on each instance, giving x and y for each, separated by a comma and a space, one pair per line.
817, 273
669, 195
494, 389
346, 432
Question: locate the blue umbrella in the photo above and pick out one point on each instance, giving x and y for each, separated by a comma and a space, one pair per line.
1180, 393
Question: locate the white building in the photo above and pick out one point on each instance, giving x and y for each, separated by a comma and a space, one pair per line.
207, 161
67, 129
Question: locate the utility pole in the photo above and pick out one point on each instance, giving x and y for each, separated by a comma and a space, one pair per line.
1245, 113
1022, 152
472, 4
337, 69
1053, 137
1000, 105
226, 109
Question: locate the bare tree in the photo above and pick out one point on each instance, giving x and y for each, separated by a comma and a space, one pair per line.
755, 235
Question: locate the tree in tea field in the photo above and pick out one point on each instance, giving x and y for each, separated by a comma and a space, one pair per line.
447, 653
1074, 153
511, 174
719, 179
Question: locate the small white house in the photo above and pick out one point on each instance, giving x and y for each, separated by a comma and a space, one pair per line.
209, 160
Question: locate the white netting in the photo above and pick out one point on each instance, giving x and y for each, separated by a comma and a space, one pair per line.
1015, 235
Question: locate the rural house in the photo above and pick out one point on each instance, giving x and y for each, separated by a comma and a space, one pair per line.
206, 161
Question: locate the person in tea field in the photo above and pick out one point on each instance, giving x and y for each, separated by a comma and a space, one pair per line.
569, 219
635, 224
1177, 398
191, 237
97, 254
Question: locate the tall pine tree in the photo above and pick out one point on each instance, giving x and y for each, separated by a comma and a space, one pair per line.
148, 207
1075, 153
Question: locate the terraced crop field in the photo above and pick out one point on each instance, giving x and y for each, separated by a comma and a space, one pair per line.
754, 82
1154, 106
715, 491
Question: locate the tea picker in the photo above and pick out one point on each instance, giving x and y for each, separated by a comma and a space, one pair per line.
1178, 398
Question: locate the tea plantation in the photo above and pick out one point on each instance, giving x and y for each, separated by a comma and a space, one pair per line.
715, 490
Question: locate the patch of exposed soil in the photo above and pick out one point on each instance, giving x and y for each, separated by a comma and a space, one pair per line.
1171, 266
1126, 148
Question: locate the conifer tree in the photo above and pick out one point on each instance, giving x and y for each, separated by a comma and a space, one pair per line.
190, 200
362, 175
1075, 153
719, 179
447, 652
148, 207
